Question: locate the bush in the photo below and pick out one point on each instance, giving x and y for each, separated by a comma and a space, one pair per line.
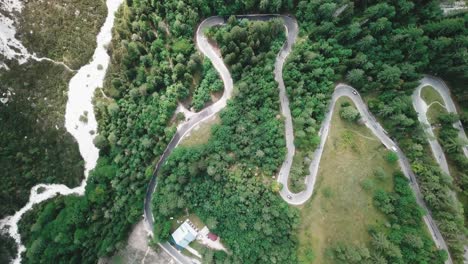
391, 157
349, 113
380, 174
367, 184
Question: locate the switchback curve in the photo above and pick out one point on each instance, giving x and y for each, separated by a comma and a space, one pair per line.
421, 108
343, 90
197, 118
286, 194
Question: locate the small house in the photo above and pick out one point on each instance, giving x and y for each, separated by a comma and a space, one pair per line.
212, 236
186, 233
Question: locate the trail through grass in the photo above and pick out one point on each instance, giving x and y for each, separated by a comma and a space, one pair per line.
429, 95
342, 206
200, 134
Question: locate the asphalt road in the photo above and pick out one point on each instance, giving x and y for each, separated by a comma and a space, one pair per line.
295, 198
207, 49
379, 131
421, 108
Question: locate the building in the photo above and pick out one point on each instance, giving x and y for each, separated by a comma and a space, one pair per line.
186, 233
212, 236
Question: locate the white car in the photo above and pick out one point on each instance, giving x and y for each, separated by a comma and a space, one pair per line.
354, 92
289, 197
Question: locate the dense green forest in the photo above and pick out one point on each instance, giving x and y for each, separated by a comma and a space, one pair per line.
7, 249
152, 44
452, 145
380, 48
35, 146
209, 84
62, 30
227, 181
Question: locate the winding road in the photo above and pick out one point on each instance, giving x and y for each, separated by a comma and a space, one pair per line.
369, 120
421, 108
292, 198
205, 47
195, 119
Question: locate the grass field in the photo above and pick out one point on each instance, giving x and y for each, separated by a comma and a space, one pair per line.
200, 134
429, 95
435, 103
341, 209
434, 111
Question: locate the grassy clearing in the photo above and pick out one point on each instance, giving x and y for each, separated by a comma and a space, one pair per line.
176, 222
342, 206
201, 134
429, 95
435, 103
434, 111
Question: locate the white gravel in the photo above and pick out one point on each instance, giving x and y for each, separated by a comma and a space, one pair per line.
10, 47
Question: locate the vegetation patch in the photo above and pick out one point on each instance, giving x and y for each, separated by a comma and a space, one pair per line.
63, 30
8, 248
458, 162
299, 170
430, 95
342, 209
435, 103
201, 134
36, 148
364, 210
434, 111
226, 181
210, 83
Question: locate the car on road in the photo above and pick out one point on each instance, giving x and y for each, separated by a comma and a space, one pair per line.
354, 92
394, 149
289, 197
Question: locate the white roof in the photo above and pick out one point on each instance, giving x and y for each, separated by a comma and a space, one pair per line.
185, 234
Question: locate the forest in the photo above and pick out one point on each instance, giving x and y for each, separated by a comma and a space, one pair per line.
63, 30
8, 248
152, 44
382, 49
208, 85
227, 181
451, 143
35, 146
